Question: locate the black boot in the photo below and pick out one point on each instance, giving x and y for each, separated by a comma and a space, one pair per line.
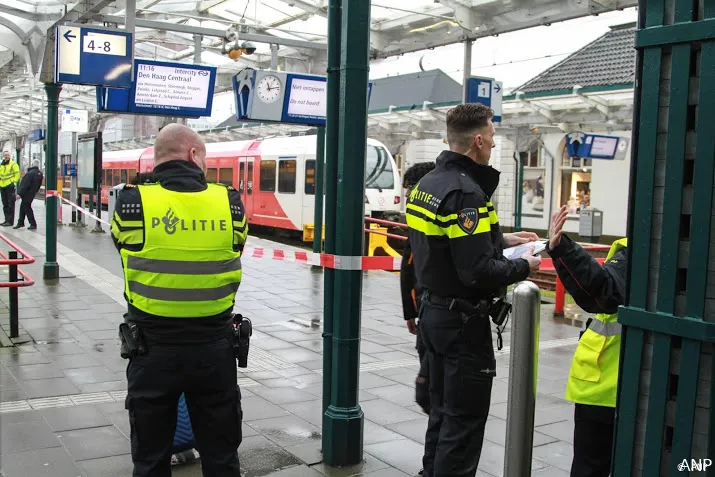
19, 226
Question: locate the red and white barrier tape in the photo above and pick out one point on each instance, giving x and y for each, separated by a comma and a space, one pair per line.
54, 193
324, 260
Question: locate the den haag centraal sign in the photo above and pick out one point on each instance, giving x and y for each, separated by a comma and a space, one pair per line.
171, 87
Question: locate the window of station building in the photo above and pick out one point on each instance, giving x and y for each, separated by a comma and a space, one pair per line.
267, 179
287, 176
534, 181
225, 176
575, 182
310, 177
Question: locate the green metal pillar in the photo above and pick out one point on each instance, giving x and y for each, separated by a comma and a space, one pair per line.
331, 185
319, 177
343, 432
51, 270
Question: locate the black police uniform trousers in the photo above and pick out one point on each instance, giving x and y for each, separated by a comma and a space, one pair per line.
460, 381
207, 375
592, 440
8, 202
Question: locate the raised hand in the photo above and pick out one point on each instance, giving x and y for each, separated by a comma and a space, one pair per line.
558, 219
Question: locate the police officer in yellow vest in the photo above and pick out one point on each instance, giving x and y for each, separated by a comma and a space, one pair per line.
593, 378
9, 177
180, 241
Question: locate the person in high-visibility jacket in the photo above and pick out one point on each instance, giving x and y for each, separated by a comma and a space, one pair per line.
593, 378
180, 240
9, 177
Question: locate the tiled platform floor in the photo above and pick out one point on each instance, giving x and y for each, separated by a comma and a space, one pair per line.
61, 391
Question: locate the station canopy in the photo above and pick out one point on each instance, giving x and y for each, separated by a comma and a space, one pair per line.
170, 30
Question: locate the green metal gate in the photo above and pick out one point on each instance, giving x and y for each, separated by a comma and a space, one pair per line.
667, 379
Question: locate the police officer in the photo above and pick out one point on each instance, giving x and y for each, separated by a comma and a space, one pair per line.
457, 245
9, 176
593, 379
411, 295
180, 241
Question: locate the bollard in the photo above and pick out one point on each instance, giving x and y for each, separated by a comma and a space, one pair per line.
523, 365
14, 314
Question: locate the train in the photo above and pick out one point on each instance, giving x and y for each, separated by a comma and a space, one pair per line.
275, 176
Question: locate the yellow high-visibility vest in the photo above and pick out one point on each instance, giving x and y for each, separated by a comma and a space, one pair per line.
593, 378
9, 173
187, 266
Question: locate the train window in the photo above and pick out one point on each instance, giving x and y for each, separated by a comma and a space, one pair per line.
131, 174
117, 177
378, 170
212, 175
104, 177
267, 180
249, 178
287, 176
124, 176
225, 176
241, 177
310, 177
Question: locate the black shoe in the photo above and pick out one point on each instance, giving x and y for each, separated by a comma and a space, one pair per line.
18, 226
6, 224
32, 227
421, 472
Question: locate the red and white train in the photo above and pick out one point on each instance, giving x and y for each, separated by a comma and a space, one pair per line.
275, 176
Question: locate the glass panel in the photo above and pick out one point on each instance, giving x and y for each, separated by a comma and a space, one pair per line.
225, 176
212, 175
131, 174
123, 176
241, 177
267, 180
117, 173
310, 177
249, 178
575, 190
378, 170
287, 176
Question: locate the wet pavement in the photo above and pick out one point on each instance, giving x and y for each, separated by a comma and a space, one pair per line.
62, 385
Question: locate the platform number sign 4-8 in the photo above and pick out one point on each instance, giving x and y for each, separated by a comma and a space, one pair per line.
104, 44
107, 46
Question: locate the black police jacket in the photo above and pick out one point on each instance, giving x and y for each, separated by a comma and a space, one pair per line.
594, 287
455, 235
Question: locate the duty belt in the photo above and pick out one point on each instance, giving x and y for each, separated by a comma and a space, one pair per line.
462, 305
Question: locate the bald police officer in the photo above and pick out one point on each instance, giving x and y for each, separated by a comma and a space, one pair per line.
180, 240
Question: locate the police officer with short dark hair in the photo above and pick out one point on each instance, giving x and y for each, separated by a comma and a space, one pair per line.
460, 267
180, 240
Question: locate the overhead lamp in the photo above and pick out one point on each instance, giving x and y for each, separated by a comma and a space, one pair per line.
236, 50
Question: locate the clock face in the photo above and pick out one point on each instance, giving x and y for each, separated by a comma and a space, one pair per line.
269, 89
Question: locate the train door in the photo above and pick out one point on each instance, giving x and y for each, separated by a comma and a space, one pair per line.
245, 184
308, 191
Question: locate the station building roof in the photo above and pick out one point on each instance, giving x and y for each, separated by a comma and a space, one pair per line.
607, 62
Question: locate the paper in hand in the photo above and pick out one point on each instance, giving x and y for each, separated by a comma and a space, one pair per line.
512, 253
